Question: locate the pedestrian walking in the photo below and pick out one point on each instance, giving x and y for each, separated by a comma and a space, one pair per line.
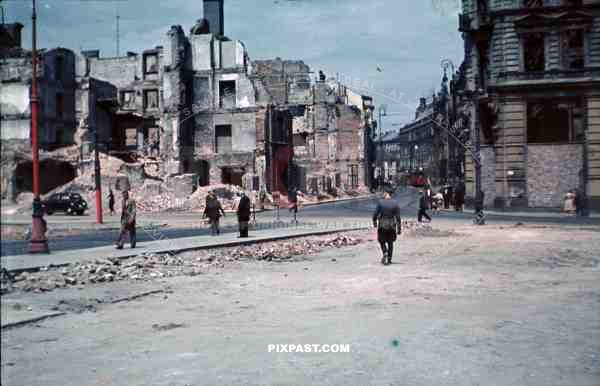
423, 206
459, 198
111, 202
213, 210
388, 223
580, 202
243, 213
128, 216
293, 198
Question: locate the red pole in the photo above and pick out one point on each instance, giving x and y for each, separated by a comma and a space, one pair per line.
38, 242
97, 176
98, 206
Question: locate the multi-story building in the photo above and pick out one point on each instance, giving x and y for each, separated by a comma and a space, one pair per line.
56, 113
532, 90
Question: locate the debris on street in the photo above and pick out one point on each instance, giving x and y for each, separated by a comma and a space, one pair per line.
148, 266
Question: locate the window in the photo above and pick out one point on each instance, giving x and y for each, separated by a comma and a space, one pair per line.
150, 64
353, 177
299, 139
533, 3
128, 100
555, 121
131, 137
150, 99
227, 94
533, 52
223, 138
572, 49
60, 105
58, 68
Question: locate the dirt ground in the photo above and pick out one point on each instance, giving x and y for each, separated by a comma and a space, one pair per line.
485, 305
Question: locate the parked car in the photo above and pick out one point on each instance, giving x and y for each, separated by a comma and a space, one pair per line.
70, 203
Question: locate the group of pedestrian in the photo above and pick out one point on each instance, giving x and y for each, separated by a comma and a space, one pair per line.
213, 210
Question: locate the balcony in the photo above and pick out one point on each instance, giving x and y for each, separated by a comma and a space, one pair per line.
510, 78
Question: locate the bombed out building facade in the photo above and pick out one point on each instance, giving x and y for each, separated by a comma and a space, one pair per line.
195, 106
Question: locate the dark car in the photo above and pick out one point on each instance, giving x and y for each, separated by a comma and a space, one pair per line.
70, 203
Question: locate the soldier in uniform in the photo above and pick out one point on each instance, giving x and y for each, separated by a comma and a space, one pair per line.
388, 223
128, 214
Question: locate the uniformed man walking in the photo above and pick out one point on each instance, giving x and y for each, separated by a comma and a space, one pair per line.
388, 223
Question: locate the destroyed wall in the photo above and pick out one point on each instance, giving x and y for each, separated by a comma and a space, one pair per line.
285, 81
56, 92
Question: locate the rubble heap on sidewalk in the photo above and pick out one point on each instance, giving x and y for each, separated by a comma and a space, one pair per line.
148, 266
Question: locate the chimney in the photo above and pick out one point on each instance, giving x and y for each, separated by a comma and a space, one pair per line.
422, 107
91, 53
213, 13
10, 35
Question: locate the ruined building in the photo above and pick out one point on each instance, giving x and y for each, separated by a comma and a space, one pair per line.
324, 122
56, 123
191, 111
532, 89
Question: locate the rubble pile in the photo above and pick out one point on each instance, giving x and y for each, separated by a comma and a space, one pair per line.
148, 266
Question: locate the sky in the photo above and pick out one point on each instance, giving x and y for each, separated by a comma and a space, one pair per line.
406, 39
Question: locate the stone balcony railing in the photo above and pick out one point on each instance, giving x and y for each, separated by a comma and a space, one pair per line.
550, 76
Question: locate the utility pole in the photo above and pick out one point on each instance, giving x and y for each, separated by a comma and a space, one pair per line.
38, 242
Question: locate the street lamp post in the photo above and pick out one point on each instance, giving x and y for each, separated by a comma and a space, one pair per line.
38, 242
382, 113
479, 195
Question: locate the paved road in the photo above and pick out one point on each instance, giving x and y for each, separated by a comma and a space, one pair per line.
502, 307
352, 210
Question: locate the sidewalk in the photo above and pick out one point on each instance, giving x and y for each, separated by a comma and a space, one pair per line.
164, 245
533, 212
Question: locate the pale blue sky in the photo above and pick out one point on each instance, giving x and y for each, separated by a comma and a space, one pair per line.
407, 38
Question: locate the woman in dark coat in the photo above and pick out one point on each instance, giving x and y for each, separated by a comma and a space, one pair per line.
243, 213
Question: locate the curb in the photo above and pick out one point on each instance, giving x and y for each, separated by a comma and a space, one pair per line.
232, 243
32, 320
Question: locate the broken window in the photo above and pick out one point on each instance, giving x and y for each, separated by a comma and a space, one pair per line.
353, 177
572, 49
555, 121
223, 139
300, 139
227, 94
533, 52
128, 100
152, 142
150, 64
232, 176
150, 99
60, 105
